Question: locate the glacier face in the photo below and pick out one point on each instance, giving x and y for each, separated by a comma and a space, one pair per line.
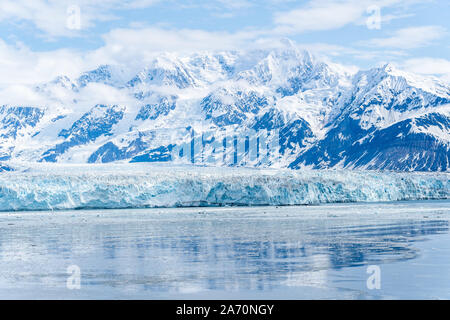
325, 116
55, 187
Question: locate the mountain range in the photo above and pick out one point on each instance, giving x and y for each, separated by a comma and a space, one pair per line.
325, 116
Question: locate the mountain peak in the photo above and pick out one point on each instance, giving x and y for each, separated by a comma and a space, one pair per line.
388, 68
287, 43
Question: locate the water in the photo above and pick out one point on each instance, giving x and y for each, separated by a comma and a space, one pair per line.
305, 252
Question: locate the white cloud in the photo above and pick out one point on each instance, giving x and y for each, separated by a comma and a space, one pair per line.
51, 16
329, 14
131, 47
20, 65
319, 15
135, 45
429, 66
409, 38
235, 4
127, 45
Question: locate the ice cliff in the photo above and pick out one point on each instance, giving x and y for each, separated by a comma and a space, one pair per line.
55, 187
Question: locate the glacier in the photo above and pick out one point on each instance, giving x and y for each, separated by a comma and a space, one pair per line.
114, 186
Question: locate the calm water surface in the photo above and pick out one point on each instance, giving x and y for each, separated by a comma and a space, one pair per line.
318, 252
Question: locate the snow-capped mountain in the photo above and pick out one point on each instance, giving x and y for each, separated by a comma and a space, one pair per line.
317, 114
389, 120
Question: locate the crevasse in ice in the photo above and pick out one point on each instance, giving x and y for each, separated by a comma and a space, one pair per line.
139, 186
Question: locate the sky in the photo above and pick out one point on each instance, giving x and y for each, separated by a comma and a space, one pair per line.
41, 39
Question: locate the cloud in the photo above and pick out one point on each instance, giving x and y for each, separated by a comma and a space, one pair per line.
235, 4
20, 65
52, 17
131, 47
139, 44
429, 66
322, 15
319, 15
22, 69
409, 38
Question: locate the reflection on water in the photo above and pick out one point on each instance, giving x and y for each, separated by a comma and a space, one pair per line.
218, 253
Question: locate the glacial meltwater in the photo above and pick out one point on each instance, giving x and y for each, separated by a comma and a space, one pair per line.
397, 250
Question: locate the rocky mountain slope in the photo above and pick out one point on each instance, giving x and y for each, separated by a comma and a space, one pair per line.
316, 114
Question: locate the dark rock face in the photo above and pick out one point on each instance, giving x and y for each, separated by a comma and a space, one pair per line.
4, 167
97, 122
218, 108
396, 147
161, 154
109, 152
14, 119
161, 108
